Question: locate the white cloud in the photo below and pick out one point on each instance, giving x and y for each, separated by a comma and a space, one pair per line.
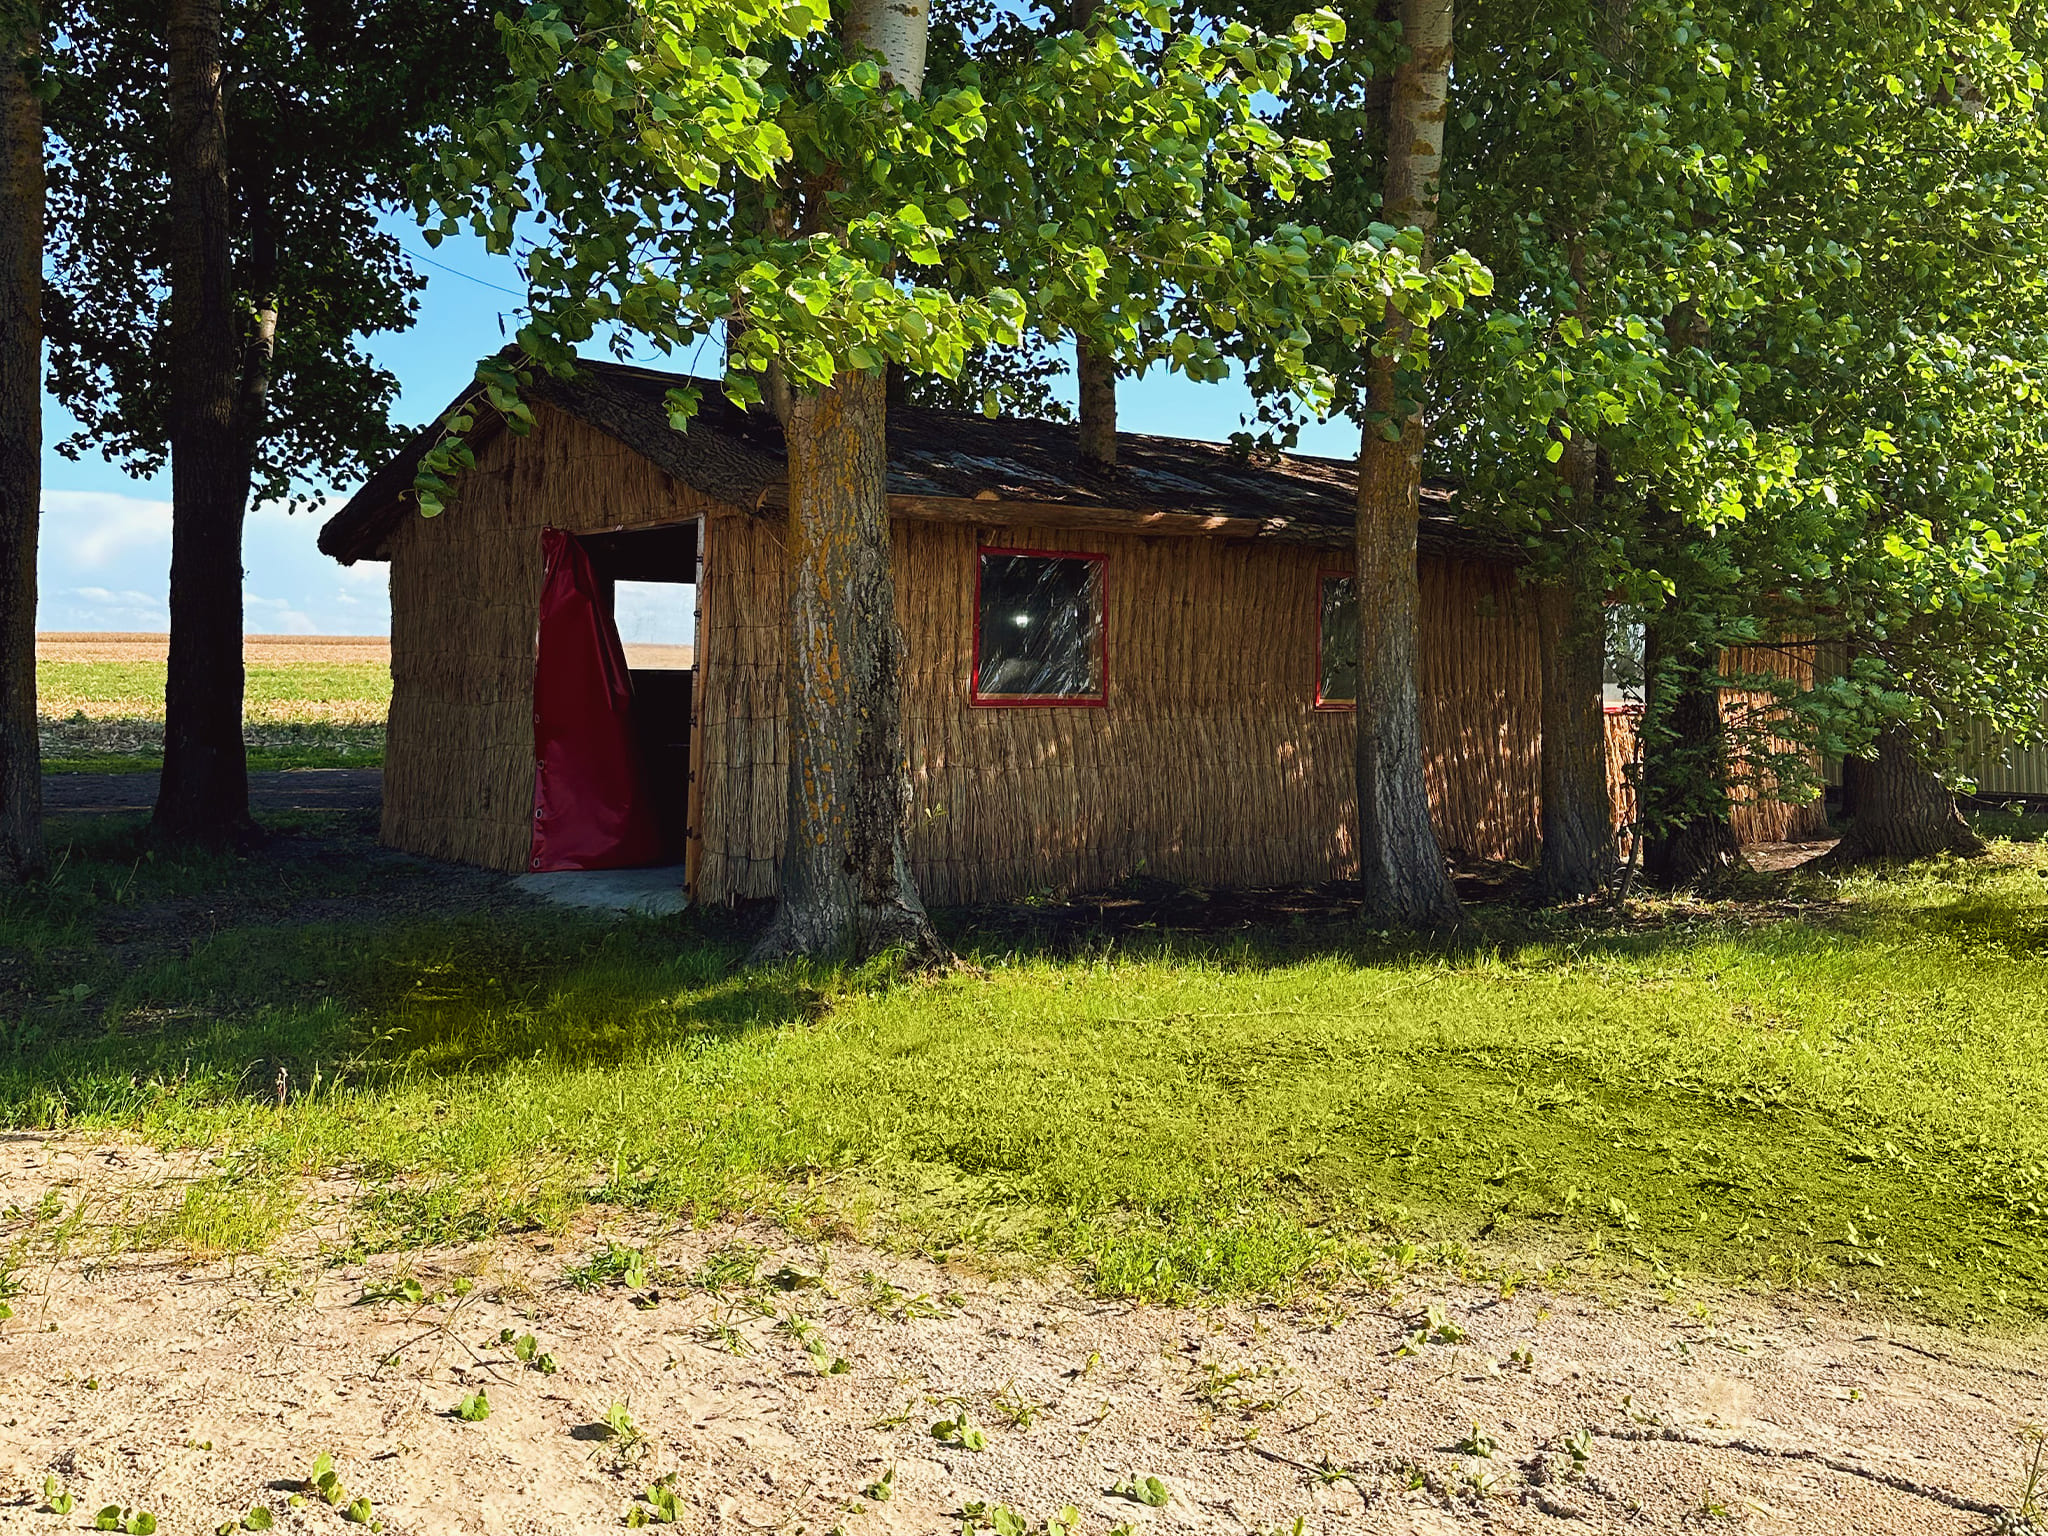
95, 530
104, 564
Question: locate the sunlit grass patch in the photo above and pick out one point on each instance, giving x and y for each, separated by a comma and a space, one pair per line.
1745, 1094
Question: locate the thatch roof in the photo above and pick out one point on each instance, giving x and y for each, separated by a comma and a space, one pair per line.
948, 465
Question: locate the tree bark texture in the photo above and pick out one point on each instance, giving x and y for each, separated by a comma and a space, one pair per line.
846, 887
204, 794
1903, 810
21, 444
1688, 840
847, 891
1400, 863
1577, 854
897, 30
1097, 370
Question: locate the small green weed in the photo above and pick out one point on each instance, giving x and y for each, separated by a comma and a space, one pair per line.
475, 1408
406, 1289
56, 1500
628, 1442
960, 1433
611, 1264
1017, 1410
323, 1480
527, 1351
1149, 1491
661, 1507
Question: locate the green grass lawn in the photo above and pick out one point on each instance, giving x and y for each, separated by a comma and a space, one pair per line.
1831, 1089
105, 716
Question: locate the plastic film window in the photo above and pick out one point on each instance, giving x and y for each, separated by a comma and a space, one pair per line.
1038, 635
1337, 646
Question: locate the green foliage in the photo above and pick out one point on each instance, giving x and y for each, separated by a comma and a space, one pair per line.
330, 106
1770, 282
727, 167
474, 1409
1136, 190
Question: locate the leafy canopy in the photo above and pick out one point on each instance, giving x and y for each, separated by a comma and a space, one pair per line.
326, 108
685, 167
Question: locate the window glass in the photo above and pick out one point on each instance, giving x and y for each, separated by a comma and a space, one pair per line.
1337, 653
1625, 639
1038, 635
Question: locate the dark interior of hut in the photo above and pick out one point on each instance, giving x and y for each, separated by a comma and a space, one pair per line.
657, 565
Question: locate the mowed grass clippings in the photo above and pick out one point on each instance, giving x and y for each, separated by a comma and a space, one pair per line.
1843, 1095
312, 702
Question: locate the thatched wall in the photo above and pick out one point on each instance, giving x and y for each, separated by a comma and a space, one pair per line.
1756, 814
1210, 763
465, 598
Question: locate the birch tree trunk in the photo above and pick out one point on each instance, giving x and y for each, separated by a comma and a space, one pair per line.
1400, 862
1903, 810
21, 439
846, 887
1577, 851
204, 795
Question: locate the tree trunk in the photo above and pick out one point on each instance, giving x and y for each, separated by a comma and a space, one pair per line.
1689, 840
1903, 810
1400, 863
204, 795
846, 886
847, 891
1577, 855
21, 442
1097, 371
1095, 367
897, 30
1850, 803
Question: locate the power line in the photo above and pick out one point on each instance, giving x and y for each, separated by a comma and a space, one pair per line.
458, 272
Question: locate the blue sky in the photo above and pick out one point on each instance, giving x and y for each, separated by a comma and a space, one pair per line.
105, 550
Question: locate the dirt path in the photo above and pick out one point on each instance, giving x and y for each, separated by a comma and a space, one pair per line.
769, 1384
291, 789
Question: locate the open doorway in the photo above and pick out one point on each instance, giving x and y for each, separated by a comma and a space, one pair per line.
647, 582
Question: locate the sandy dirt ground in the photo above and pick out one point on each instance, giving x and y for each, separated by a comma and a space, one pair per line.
785, 1387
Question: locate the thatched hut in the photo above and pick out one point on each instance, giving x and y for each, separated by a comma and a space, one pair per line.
1108, 673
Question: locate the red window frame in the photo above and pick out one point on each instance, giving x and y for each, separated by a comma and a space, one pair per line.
1323, 578
1097, 700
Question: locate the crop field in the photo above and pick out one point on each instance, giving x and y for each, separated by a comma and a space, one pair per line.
312, 701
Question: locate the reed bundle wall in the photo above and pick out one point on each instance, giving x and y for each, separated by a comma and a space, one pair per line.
465, 602
1210, 763
1756, 812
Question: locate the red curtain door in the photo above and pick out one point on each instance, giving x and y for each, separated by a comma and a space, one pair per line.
590, 805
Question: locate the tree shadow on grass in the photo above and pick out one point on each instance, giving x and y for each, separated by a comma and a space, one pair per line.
134, 971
